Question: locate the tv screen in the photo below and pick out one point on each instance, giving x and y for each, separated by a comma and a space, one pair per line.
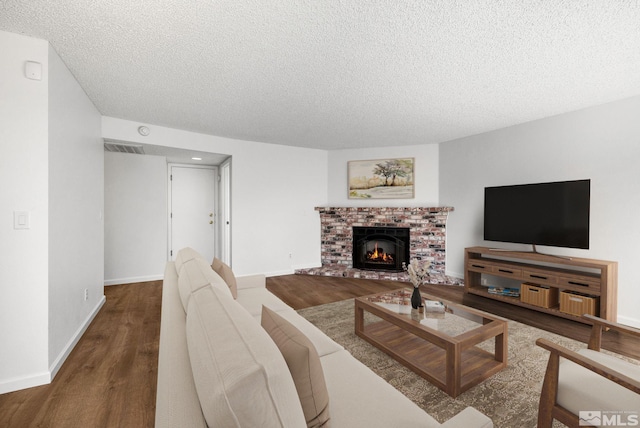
554, 214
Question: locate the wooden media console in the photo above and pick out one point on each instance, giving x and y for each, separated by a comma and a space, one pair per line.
587, 285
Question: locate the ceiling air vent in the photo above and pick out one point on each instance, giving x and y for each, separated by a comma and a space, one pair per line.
123, 148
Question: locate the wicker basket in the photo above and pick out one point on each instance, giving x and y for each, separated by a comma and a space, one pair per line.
538, 295
578, 304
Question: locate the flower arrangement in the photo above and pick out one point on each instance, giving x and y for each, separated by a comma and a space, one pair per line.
418, 271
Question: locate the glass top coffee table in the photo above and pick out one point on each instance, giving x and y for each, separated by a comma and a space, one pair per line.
452, 346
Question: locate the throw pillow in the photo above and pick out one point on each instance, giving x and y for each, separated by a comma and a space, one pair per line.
226, 273
304, 364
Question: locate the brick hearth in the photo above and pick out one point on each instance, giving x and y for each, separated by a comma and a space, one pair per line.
427, 239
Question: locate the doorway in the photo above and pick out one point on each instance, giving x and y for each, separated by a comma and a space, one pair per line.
225, 212
192, 209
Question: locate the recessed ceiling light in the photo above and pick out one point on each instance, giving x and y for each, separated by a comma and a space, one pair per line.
196, 158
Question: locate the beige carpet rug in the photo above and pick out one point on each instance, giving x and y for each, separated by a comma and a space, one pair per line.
509, 398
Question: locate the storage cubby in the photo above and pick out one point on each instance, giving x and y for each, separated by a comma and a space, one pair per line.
597, 280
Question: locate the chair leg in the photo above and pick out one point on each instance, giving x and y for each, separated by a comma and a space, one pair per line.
549, 392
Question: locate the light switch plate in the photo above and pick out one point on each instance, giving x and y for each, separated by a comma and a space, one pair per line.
21, 220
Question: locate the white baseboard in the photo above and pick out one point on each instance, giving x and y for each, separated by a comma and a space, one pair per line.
632, 322
291, 271
44, 378
454, 274
280, 272
133, 279
25, 382
62, 357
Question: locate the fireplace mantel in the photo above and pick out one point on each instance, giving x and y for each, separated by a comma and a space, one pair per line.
427, 232
399, 211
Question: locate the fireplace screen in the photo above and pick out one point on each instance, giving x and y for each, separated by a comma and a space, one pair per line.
380, 248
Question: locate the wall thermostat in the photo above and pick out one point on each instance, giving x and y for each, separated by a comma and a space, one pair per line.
33, 70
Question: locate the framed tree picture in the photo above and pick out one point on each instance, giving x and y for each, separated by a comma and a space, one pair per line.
381, 179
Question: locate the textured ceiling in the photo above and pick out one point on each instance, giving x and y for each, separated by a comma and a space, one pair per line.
340, 74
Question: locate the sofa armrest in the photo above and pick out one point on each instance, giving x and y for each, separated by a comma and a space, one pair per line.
469, 418
251, 281
594, 366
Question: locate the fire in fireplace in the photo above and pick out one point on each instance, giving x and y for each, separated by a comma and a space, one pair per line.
378, 255
380, 248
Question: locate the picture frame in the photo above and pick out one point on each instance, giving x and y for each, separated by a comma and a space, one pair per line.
391, 178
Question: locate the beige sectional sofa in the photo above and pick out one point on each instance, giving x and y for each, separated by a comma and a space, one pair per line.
219, 367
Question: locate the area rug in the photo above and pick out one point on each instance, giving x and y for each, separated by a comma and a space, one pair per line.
510, 397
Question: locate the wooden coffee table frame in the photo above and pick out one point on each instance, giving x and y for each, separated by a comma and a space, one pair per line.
453, 364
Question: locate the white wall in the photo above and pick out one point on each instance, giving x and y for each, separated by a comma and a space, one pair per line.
600, 143
23, 187
50, 166
426, 175
274, 191
135, 199
76, 231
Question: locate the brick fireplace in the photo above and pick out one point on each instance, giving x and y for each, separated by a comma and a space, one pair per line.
427, 236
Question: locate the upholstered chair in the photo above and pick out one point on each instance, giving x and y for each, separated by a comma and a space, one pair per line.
589, 384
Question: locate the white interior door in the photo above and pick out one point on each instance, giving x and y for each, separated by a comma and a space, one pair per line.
192, 209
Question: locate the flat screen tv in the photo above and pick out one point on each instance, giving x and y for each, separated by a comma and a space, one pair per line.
553, 214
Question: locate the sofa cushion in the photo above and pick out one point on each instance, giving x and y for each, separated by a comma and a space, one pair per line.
304, 364
240, 375
184, 255
252, 300
226, 273
363, 399
573, 396
195, 274
468, 417
176, 398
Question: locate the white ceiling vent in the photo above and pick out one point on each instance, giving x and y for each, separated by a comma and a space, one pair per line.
123, 148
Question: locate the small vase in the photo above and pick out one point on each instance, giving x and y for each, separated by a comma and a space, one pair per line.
416, 299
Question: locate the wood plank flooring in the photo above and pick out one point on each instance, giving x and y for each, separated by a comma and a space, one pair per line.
109, 380
303, 291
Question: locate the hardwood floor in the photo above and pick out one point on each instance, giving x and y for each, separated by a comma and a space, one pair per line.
109, 380
303, 291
